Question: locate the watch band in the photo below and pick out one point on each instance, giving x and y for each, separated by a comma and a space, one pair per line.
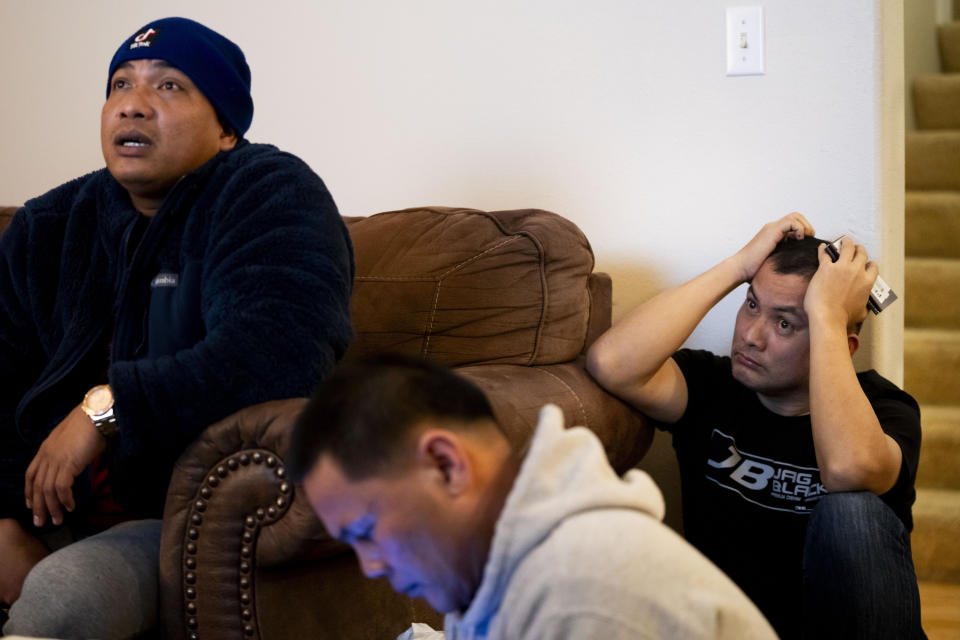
98, 405
106, 423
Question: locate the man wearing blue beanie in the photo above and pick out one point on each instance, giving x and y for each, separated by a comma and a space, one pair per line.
195, 275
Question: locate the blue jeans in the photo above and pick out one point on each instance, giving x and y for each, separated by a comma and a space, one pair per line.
858, 575
105, 586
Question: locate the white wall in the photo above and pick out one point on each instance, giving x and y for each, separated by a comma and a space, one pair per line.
615, 113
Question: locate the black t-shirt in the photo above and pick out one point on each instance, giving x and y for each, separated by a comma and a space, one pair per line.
750, 478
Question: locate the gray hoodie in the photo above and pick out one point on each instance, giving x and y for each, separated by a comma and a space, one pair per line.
580, 553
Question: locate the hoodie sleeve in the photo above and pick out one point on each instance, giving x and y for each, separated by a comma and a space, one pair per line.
21, 359
576, 625
275, 284
21, 354
665, 621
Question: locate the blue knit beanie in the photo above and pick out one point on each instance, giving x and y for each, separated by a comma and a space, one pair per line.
213, 63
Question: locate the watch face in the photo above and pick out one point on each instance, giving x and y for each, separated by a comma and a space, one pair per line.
99, 399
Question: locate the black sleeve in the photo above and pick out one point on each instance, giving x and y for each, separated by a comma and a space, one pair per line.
899, 416
21, 359
703, 372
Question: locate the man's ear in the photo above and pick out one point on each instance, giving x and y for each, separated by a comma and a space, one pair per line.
228, 139
443, 454
853, 342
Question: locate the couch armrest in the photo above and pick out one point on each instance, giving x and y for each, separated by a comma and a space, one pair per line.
600, 288
243, 553
230, 511
517, 393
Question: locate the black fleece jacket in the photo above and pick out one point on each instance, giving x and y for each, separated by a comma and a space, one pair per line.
236, 292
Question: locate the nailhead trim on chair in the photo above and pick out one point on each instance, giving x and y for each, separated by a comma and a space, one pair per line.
252, 523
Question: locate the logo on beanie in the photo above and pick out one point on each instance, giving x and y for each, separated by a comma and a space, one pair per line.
144, 39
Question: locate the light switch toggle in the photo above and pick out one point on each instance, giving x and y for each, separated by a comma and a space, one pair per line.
745, 41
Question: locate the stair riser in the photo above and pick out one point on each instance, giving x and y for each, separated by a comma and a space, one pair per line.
938, 464
949, 38
936, 554
940, 450
933, 225
932, 293
933, 161
931, 370
936, 523
936, 102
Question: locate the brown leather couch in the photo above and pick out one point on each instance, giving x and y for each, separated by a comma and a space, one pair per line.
507, 298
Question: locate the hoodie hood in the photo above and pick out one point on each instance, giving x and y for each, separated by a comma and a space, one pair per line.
564, 473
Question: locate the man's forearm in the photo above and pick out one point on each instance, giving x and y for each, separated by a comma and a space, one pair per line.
853, 452
631, 352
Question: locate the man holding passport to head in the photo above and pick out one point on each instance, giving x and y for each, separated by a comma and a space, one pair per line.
797, 472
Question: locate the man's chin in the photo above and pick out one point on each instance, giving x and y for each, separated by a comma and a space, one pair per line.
440, 600
141, 185
752, 380
744, 376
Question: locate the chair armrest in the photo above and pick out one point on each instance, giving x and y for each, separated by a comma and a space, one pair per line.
600, 288
230, 511
517, 393
234, 525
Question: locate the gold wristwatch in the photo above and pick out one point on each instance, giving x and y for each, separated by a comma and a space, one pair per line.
98, 404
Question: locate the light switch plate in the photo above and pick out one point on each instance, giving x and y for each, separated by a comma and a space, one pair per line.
745, 41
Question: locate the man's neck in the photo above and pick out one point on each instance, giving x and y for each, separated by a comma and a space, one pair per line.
794, 404
148, 207
488, 512
148, 204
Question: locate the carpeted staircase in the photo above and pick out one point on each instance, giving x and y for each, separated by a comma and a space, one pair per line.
932, 298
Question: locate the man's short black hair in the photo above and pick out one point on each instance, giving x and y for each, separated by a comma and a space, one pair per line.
801, 258
797, 257
364, 414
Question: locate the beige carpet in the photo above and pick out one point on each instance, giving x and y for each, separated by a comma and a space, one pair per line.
932, 298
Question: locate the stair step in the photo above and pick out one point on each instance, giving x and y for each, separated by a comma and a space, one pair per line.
933, 224
933, 160
940, 609
936, 529
931, 365
936, 101
932, 292
948, 36
940, 450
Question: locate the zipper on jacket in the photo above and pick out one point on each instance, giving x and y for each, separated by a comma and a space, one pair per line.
151, 239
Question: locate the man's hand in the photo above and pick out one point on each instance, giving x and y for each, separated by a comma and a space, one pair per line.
838, 291
70, 447
749, 259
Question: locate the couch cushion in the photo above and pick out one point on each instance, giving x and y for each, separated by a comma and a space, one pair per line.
462, 286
